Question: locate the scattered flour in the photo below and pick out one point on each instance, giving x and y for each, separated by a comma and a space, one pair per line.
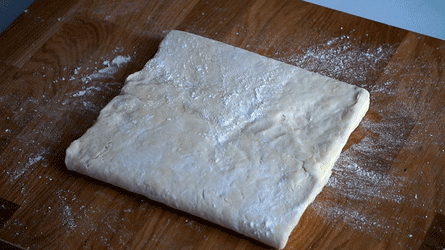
86, 91
109, 71
91, 78
96, 81
357, 183
90, 84
339, 58
19, 171
68, 219
363, 182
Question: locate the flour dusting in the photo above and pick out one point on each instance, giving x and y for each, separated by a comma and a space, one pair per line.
109, 71
362, 178
363, 182
341, 59
20, 170
92, 78
68, 219
96, 81
357, 183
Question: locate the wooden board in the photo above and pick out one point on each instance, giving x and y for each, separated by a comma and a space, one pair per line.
62, 61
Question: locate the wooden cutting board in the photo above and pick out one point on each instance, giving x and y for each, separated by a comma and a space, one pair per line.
62, 61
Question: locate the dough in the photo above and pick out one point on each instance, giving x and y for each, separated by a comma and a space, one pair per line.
236, 138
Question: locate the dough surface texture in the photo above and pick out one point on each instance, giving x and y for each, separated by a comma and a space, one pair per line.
222, 133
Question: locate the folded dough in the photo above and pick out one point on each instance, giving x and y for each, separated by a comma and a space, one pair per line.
222, 133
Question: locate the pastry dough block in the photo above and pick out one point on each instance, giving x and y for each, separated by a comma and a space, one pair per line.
241, 140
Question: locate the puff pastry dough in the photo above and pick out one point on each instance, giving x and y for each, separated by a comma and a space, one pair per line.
236, 138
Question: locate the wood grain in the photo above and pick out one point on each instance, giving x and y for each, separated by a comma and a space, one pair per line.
62, 61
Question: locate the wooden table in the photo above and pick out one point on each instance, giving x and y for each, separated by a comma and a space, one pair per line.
62, 61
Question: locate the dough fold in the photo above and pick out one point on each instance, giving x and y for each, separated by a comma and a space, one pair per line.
222, 133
